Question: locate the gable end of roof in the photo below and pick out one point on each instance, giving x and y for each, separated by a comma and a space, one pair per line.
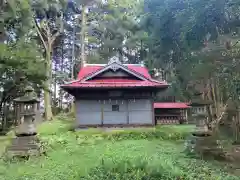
114, 66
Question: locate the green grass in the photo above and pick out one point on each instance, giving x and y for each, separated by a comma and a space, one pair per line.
4, 141
143, 153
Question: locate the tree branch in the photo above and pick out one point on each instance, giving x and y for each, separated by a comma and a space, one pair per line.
54, 36
215, 122
39, 33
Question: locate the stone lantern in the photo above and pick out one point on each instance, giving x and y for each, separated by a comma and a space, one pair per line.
28, 110
199, 111
26, 142
202, 140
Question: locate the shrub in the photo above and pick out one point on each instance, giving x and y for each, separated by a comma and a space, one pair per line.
204, 147
144, 134
127, 170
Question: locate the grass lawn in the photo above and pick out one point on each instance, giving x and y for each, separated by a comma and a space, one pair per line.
118, 154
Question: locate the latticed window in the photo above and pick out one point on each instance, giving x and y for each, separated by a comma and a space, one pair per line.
115, 107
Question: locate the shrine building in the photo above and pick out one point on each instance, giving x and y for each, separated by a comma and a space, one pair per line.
114, 94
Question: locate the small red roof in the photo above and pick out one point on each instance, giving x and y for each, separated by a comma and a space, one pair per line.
171, 105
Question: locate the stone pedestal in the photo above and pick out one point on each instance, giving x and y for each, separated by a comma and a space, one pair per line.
24, 146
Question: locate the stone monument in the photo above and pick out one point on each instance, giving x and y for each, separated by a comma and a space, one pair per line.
26, 143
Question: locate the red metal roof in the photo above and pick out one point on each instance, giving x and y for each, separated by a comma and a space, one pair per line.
171, 105
114, 82
141, 70
87, 70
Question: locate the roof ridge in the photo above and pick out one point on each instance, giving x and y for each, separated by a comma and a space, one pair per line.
141, 65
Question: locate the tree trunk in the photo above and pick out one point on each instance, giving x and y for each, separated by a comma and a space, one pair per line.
83, 28
83, 58
62, 70
73, 63
55, 97
55, 105
237, 137
208, 96
47, 84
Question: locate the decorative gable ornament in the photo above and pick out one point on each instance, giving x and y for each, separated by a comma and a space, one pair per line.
114, 63
114, 67
114, 59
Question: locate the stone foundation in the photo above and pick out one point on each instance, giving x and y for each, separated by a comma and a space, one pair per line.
23, 146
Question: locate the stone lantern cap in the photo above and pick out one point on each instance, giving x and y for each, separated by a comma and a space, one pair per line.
30, 97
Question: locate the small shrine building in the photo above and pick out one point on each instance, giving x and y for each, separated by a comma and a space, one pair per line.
171, 112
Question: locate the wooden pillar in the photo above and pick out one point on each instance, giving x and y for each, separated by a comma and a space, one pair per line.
102, 109
77, 121
153, 113
127, 101
186, 115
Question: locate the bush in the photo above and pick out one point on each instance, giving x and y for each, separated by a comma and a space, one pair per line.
144, 134
127, 170
208, 147
143, 168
